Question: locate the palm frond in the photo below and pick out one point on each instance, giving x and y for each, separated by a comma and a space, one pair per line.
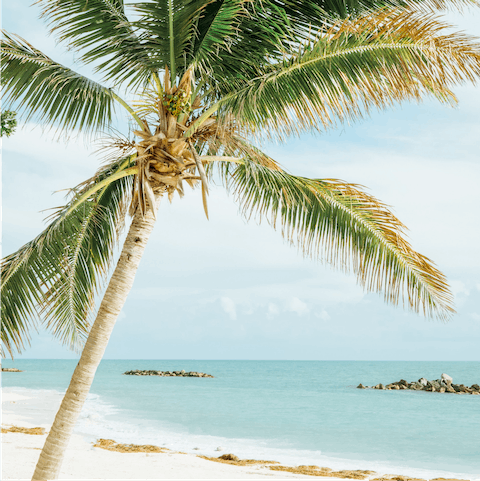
246, 36
217, 27
57, 275
338, 222
372, 62
255, 36
54, 94
354, 8
168, 29
101, 30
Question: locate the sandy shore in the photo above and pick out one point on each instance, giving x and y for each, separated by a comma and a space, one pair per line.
20, 453
84, 462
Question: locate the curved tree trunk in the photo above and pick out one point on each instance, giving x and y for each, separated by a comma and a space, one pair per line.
51, 457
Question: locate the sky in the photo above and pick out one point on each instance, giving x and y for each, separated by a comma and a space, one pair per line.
228, 288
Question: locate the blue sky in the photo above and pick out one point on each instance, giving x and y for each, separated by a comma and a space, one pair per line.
231, 289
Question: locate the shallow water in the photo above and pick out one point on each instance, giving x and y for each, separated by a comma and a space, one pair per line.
298, 412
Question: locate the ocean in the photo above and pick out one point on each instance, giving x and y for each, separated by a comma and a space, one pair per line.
295, 412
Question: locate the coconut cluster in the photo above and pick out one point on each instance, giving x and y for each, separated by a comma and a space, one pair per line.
177, 103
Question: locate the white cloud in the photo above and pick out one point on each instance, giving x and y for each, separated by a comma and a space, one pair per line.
272, 310
320, 289
228, 305
323, 315
298, 306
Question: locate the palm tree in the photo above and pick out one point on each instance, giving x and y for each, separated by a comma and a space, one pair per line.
208, 78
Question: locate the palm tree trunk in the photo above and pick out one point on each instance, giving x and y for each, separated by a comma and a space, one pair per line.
51, 457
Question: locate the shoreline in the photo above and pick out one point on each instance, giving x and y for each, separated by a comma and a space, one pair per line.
181, 465
84, 461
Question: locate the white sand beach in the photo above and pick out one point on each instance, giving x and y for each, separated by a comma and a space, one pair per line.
84, 462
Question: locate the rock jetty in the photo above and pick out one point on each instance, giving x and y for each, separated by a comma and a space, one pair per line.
10, 369
182, 373
443, 385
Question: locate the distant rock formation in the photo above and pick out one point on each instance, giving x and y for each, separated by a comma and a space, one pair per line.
182, 373
10, 369
445, 384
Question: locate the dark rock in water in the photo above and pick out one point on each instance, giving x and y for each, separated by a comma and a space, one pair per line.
229, 457
10, 369
443, 385
436, 384
182, 373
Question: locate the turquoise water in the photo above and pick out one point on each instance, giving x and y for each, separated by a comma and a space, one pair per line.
293, 411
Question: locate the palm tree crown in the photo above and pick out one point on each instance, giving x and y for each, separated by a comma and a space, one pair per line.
207, 76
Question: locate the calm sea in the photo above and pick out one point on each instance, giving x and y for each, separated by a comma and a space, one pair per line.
295, 412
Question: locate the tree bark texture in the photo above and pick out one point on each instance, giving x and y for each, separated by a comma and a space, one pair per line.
51, 457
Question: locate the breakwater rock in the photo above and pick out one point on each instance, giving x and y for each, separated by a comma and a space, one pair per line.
182, 373
10, 369
443, 385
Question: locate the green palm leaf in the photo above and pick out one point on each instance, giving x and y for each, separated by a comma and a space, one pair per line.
346, 227
102, 31
353, 8
55, 94
216, 27
250, 35
352, 67
168, 29
58, 274
254, 35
